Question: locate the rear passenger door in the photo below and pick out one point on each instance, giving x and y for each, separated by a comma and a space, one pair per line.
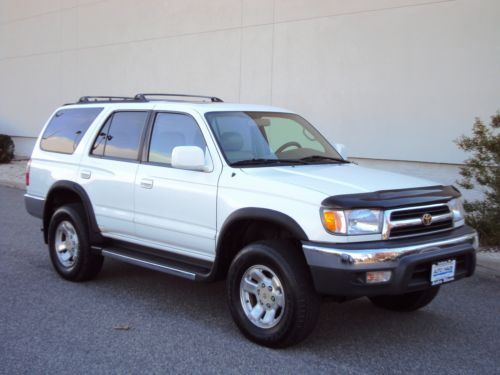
175, 209
108, 171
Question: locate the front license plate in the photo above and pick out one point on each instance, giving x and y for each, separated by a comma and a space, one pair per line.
443, 272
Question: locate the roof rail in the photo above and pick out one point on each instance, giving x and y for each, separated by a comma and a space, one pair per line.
105, 98
143, 97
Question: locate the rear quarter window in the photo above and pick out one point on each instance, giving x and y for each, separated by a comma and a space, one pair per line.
66, 129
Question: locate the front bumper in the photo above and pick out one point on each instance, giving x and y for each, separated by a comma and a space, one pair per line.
340, 269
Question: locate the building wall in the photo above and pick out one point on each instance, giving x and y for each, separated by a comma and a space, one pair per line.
392, 79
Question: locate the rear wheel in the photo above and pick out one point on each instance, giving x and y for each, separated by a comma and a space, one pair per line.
69, 246
406, 302
271, 295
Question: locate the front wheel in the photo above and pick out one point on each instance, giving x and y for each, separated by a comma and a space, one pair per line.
270, 293
406, 302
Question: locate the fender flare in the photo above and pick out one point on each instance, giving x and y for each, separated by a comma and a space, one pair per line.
257, 213
94, 232
251, 213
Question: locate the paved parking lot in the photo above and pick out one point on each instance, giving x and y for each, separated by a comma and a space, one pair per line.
48, 325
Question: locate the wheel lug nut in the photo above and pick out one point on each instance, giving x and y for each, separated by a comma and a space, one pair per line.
263, 285
272, 298
268, 305
270, 288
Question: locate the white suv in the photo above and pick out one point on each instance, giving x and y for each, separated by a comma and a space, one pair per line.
201, 189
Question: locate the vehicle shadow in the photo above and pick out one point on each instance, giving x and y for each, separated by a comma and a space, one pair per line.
356, 325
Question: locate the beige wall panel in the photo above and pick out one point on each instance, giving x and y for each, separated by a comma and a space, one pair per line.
205, 63
31, 36
69, 76
69, 29
289, 10
118, 21
30, 92
257, 12
256, 64
401, 84
11, 10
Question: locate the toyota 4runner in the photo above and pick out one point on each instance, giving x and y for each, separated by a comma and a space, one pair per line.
204, 190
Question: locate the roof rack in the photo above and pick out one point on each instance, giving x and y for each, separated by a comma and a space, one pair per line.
106, 98
143, 97
140, 98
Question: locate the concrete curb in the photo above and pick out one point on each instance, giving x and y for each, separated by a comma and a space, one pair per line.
13, 184
488, 263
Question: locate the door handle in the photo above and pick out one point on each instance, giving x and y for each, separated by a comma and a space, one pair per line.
85, 174
146, 183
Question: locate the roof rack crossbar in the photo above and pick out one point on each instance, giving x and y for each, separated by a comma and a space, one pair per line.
106, 98
143, 97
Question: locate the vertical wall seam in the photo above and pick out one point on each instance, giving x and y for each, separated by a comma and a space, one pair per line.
241, 52
272, 55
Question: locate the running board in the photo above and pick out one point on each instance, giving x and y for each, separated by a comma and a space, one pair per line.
156, 263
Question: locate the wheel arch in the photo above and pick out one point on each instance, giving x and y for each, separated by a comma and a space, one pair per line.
248, 225
64, 192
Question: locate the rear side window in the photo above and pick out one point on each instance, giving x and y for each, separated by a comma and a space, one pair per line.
66, 129
120, 137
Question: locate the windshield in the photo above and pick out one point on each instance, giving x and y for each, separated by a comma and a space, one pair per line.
269, 138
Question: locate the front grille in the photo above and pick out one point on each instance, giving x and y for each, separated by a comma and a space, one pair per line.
407, 222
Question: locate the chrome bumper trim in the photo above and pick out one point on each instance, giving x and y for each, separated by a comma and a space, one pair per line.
385, 255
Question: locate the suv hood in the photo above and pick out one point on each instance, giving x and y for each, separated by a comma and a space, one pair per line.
336, 179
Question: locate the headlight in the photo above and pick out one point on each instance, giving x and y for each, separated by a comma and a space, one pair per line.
457, 209
352, 222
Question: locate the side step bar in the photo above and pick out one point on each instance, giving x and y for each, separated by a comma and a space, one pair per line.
155, 262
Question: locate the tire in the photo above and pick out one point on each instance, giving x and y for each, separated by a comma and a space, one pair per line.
68, 231
289, 309
406, 302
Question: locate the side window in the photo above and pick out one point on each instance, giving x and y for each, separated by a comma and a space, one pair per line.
171, 130
66, 129
120, 136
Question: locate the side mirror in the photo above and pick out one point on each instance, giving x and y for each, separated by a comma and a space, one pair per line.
189, 157
341, 149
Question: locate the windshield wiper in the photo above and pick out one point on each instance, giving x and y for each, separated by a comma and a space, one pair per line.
320, 157
257, 161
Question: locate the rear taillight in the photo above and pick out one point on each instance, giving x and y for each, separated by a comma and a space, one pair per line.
27, 175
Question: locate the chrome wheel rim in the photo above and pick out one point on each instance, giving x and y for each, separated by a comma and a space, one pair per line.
67, 245
262, 296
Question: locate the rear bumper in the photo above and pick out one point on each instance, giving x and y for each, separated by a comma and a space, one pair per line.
340, 269
34, 205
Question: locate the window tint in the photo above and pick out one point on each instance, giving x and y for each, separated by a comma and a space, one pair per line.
273, 136
66, 129
171, 130
120, 136
280, 130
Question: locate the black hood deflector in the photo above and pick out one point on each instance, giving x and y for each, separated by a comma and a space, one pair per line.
386, 199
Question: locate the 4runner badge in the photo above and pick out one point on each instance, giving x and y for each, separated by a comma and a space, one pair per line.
426, 219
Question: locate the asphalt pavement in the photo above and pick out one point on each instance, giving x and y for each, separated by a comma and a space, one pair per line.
132, 320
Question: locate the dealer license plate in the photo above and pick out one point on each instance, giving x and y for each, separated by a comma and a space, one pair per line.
443, 272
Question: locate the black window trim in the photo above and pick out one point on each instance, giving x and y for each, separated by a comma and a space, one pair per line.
147, 140
137, 160
86, 131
